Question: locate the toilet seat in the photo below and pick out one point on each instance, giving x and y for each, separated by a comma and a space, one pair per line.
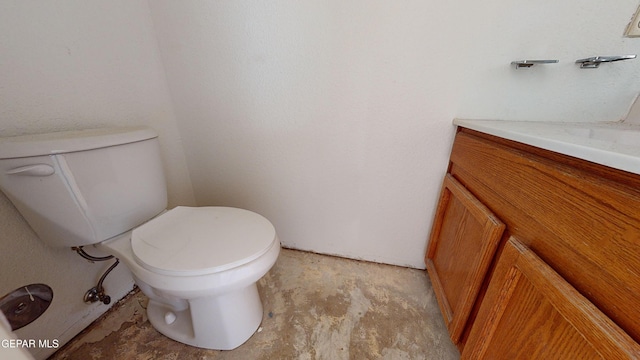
191, 241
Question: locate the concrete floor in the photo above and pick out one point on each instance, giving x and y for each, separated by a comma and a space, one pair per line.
315, 307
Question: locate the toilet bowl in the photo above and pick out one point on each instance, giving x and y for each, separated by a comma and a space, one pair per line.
202, 291
106, 187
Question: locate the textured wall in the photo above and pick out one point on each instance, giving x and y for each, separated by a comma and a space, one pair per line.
70, 65
503, 31
332, 118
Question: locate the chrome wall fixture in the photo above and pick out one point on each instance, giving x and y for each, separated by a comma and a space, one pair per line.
595, 61
529, 63
586, 63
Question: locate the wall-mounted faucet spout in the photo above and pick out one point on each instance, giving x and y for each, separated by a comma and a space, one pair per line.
595, 61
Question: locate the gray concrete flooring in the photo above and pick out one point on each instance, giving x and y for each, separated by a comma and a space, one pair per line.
315, 307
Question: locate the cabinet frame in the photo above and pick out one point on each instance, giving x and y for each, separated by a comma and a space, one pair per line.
580, 218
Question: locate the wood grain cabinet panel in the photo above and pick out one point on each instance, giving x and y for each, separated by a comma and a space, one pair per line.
568, 287
462, 244
582, 219
531, 312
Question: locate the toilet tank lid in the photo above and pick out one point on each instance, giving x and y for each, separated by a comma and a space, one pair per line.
71, 141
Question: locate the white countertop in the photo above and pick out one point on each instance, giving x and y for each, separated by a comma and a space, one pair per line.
615, 144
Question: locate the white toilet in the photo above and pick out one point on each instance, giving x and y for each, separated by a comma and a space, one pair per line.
198, 265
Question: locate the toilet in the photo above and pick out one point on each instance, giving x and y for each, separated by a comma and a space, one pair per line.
105, 187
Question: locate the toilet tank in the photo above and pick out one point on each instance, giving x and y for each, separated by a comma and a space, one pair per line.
78, 188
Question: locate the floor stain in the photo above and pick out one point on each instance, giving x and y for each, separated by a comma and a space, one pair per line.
315, 307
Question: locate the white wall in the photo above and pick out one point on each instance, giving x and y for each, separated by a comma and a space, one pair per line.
322, 116
332, 118
546, 29
69, 65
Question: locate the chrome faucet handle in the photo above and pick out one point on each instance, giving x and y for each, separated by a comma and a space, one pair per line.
595, 61
529, 63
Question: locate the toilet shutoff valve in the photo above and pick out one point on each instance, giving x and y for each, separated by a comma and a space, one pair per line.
95, 294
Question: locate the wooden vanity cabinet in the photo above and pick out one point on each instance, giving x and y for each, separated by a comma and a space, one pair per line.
531, 312
462, 244
580, 219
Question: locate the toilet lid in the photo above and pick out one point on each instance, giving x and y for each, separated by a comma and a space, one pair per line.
188, 241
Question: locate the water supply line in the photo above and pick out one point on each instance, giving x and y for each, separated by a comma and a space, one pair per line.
96, 293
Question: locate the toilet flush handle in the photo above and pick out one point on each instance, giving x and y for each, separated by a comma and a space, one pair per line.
33, 170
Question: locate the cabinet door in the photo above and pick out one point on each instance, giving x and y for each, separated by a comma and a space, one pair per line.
463, 241
530, 312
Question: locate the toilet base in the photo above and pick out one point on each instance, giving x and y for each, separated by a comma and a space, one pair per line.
223, 322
